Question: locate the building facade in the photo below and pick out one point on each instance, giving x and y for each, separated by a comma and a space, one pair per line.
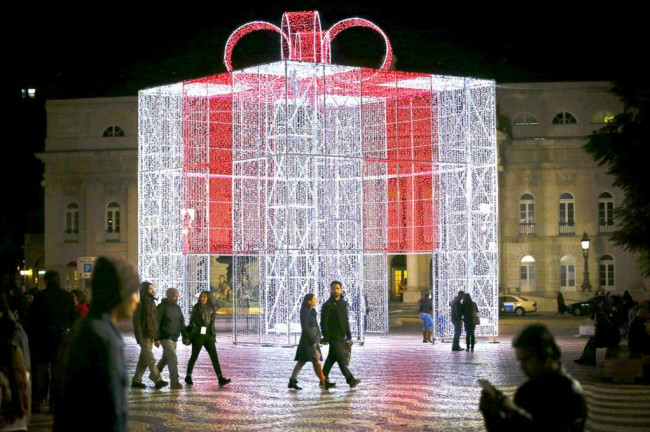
551, 192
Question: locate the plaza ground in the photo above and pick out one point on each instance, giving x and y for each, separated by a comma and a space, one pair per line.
407, 385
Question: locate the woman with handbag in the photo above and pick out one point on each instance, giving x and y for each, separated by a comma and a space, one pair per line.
202, 335
470, 319
308, 346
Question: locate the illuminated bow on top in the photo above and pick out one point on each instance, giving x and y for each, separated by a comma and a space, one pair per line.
303, 39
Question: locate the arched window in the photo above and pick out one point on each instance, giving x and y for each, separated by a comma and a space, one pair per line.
606, 272
113, 222
71, 228
113, 131
605, 212
566, 216
527, 274
525, 119
527, 215
602, 117
567, 272
564, 118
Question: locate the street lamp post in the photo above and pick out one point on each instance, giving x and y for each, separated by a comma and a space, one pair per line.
584, 242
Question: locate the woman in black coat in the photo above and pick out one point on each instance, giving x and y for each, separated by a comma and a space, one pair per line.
468, 308
308, 346
202, 335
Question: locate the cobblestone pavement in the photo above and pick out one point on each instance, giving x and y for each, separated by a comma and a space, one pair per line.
407, 386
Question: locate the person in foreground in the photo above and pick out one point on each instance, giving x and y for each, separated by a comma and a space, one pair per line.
551, 400
308, 347
202, 335
93, 396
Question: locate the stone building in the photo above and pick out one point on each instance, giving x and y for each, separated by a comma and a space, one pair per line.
551, 191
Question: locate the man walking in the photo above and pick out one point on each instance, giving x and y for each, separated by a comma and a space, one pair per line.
457, 320
93, 396
335, 328
145, 330
171, 326
49, 318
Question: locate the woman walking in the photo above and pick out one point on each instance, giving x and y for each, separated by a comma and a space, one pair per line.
202, 335
425, 307
470, 313
308, 346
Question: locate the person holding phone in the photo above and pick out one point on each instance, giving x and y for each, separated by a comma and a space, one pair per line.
551, 399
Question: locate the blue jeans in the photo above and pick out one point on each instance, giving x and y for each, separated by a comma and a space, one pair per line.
427, 321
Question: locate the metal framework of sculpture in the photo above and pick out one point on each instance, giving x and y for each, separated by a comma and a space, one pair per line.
307, 172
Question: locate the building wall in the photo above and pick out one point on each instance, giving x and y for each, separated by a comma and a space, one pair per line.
543, 159
546, 160
86, 168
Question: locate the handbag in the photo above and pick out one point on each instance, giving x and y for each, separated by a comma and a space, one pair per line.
476, 318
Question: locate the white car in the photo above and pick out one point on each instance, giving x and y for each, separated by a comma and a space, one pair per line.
516, 304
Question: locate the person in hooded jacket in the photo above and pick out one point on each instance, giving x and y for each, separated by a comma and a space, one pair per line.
145, 330
93, 396
202, 335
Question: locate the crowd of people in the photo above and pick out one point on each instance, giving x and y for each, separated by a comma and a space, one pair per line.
69, 351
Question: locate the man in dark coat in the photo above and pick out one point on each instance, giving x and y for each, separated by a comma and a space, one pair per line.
335, 328
551, 400
93, 396
49, 318
171, 324
457, 320
145, 330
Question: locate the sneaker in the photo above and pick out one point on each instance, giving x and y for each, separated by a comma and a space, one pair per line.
224, 381
176, 386
188, 380
160, 384
139, 385
355, 382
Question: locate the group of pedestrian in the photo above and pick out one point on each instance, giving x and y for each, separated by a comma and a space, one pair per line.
334, 331
464, 312
162, 326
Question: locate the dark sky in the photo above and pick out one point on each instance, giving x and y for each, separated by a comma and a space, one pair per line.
112, 47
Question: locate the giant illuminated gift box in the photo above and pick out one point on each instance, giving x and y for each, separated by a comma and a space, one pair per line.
307, 172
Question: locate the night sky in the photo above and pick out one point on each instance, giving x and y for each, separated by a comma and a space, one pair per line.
116, 48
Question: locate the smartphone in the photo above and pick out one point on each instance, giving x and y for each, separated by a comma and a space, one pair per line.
488, 387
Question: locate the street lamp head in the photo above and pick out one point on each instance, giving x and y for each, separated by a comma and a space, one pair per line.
585, 242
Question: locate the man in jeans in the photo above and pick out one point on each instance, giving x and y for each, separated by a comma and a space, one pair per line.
171, 326
145, 330
457, 320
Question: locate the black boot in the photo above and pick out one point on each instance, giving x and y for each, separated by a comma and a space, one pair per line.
188, 380
293, 384
223, 381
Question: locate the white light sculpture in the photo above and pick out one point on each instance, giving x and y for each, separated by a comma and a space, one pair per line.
306, 172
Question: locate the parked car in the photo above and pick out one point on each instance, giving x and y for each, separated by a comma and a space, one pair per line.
518, 305
592, 305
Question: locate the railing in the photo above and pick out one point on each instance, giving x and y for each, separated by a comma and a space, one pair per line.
112, 236
527, 229
606, 228
70, 236
566, 228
